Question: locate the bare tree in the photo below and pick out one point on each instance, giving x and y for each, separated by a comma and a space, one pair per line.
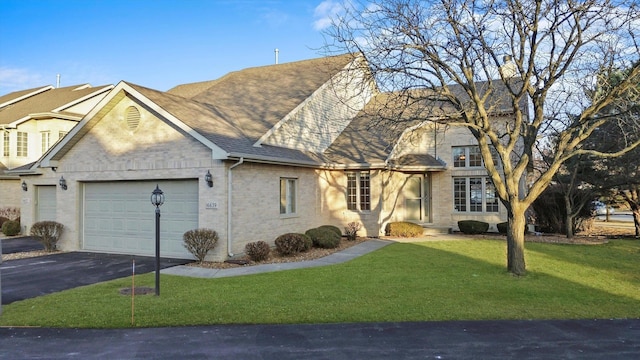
444, 60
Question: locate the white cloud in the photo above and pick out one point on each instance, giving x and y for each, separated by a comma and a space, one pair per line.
325, 12
14, 79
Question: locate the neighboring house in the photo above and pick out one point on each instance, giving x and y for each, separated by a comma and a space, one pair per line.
31, 121
288, 147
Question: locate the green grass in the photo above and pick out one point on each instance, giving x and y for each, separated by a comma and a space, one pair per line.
448, 280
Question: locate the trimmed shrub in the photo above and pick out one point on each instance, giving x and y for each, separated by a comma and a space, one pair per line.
199, 242
403, 229
292, 243
502, 227
11, 228
323, 237
335, 229
473, 226
351, 230
48, 233
257, 251
3, 220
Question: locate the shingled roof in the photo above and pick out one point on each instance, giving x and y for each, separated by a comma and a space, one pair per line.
51, 100
255, 99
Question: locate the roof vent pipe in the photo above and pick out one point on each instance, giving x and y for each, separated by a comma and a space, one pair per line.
277, 51
58, 81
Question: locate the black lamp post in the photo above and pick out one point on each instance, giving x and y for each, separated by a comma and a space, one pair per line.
157, 199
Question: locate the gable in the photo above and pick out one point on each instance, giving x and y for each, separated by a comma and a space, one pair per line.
318, 120
118, 140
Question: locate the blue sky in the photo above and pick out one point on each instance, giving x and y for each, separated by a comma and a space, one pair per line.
153, 43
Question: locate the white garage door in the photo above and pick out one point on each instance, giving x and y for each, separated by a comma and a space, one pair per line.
46, 207
119, 217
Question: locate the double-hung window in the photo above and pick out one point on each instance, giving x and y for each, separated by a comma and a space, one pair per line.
470, 156
467, 156
22, 144
359, 190
46, 140
5, 144
474, 194
288, 196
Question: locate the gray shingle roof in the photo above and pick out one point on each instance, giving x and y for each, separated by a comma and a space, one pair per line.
237, 109
45, 102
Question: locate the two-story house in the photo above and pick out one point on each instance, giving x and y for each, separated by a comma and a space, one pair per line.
32, 120
254, 154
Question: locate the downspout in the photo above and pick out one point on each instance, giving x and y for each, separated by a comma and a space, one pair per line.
229, 207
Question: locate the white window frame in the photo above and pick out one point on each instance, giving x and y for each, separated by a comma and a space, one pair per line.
46, 140
465, 157
288, 196
22, 144
6, 145
468, 188
358, 193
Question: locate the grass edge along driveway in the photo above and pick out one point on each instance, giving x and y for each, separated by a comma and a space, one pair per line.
428, 281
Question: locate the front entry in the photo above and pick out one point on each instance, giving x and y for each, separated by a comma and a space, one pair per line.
417, 194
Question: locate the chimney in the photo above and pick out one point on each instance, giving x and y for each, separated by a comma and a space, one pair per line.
508, 68
58, 81
277, 51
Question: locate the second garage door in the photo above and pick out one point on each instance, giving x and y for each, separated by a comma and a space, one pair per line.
119, 217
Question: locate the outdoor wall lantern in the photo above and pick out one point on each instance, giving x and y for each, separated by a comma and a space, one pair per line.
209, 179
63, 183
24, 186
157, 199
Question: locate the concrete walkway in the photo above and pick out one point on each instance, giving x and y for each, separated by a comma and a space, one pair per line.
335, 258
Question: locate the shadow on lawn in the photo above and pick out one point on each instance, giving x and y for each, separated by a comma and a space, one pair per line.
620, 255
461, 265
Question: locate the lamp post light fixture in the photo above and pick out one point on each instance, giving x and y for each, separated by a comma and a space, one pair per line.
24, 186
63, 183
157, 199
208, 179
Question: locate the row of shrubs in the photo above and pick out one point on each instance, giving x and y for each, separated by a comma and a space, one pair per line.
324, 237
481, 227
200, 241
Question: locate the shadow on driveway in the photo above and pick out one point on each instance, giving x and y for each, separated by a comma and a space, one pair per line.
28, 278
20, 244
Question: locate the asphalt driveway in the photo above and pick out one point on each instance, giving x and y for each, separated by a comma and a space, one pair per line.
20, 244
28, 278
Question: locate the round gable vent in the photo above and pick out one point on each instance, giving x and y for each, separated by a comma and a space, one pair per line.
132, 117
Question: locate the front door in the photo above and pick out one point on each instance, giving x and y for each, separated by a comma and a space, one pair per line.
416, 198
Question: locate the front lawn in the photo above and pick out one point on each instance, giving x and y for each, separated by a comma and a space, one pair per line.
447, 280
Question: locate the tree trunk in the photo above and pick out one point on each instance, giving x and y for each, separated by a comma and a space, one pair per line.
636, 221
515, 240
568, 223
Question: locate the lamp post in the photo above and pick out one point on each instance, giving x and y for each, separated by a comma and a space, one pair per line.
157, 199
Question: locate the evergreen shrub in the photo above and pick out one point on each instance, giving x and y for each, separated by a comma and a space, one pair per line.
473, 226
324, 237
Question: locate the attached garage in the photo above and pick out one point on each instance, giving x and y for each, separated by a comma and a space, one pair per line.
118, 217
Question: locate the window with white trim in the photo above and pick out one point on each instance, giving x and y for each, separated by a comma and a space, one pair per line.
46, 140
359, 190
288, 196
470, 156
474, 194
22, 144
5, 145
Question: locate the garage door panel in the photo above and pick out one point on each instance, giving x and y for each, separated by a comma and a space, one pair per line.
119, 217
